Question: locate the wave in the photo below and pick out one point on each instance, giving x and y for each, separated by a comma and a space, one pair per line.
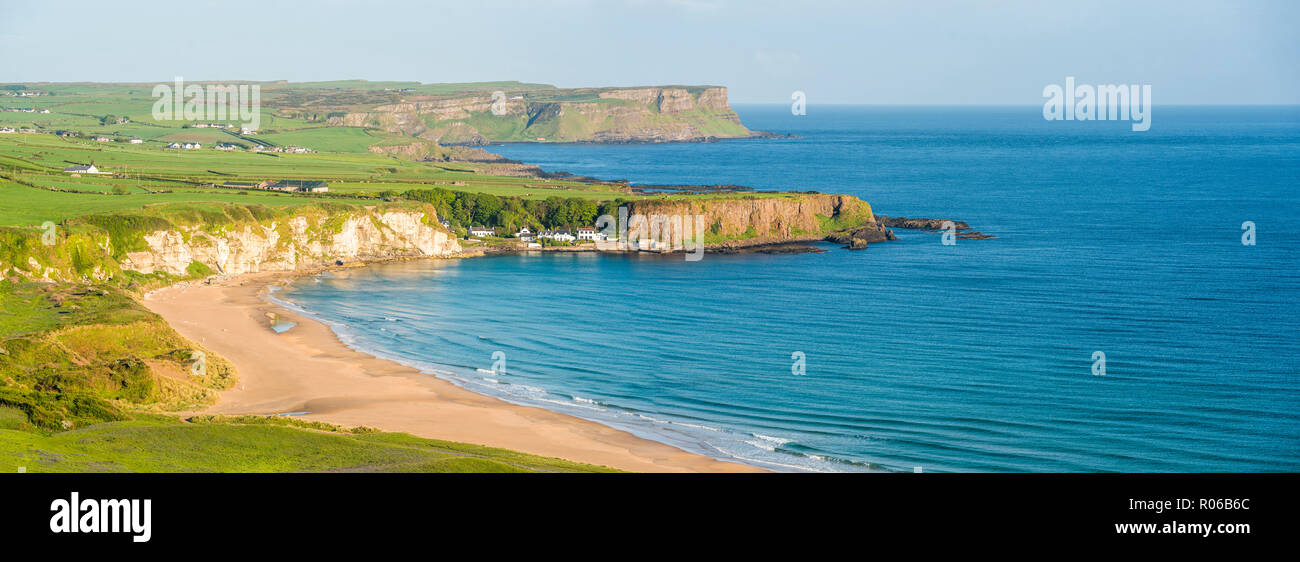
720, 443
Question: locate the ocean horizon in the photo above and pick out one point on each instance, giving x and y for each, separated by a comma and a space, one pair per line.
975, 357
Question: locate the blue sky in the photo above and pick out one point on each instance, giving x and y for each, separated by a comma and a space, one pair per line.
917, 52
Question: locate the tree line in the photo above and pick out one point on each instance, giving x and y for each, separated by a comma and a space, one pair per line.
509, 214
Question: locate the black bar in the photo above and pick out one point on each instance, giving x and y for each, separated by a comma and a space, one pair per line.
308, 511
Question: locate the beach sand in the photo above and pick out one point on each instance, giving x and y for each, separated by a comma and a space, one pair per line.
308, 369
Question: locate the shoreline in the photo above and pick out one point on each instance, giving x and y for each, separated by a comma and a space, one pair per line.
309, 369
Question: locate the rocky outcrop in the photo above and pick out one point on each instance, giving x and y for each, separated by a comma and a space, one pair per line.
858, 238
961, 227
297, 242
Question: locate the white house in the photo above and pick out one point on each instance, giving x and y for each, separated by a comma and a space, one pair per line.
6, 129
102, 139
191, 146
591, 234
83, 169
137, 141
525, 234
557, 235
482, 231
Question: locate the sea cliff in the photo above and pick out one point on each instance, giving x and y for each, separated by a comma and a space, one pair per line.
749, 220
611, 115
155, 248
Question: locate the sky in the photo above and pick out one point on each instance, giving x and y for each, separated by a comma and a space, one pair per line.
862, 52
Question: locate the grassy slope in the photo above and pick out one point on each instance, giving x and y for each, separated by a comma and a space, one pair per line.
83, 367
161, 444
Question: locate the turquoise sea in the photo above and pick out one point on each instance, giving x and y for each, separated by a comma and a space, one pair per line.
972, 357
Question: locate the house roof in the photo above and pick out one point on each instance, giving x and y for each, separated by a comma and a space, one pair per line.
300, 184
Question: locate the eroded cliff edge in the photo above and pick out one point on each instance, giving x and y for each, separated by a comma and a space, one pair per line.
156, 247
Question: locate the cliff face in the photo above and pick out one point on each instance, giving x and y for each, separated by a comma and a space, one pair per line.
751, 221
293, 244
277, 242
650, 114
322, 236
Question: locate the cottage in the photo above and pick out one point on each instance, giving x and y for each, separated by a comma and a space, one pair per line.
83, 169
591, 234
304, 186
191, 146
557, 235
482, 231
103, 139
136, 141
525, 235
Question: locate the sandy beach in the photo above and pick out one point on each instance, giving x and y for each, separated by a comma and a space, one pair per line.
308, 369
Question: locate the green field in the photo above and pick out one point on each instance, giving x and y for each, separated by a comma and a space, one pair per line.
163, 444
328, 139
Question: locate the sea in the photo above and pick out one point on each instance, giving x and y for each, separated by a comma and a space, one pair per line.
1134, 312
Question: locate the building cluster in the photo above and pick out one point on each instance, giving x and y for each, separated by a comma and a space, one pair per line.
26, 110
289, 149
24, 93
226, 126
299, 186
526, 234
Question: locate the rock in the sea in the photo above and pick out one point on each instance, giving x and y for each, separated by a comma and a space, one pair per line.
858, 238
962, 228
